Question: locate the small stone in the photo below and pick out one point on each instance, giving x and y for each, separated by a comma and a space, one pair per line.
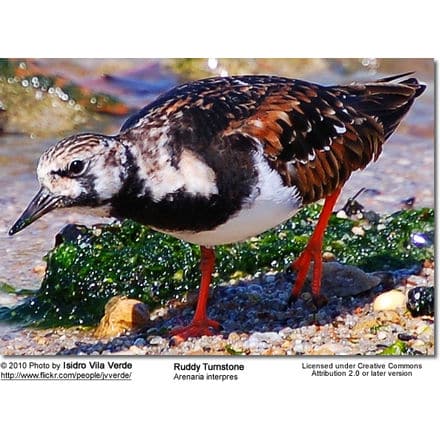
330, 349
285, 331
156, 340
328, 256
357, 230
417, 345
391, 300
273, 351
364, 326
40, 269
286, 344
121, 314
382, 335
405, 337
423, 328
139, 342
233, 337
136, 350
262, 340
390, 316
298, 347
269, 278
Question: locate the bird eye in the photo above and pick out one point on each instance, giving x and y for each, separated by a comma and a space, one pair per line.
76, 167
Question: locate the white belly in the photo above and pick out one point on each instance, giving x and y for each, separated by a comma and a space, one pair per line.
270, 204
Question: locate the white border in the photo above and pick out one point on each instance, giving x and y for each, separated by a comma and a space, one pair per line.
272, 399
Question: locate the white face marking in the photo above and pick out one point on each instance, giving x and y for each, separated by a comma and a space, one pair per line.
270, 204
56, 184
105, 174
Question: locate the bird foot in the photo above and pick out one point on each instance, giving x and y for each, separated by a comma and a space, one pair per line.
310, 257
195, 329
301, 267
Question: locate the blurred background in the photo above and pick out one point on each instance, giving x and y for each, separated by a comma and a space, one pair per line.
42, 100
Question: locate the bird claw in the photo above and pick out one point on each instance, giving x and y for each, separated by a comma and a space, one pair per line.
194, 330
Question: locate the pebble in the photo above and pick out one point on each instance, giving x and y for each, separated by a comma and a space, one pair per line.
382, 335
357, 230
253, 322
156, 340
140, 342
391, 300
330, 348
298, 347
262, 340
122, 314
40, 269
136, 350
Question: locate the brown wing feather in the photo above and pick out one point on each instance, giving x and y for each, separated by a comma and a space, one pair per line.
312, 139
315, 136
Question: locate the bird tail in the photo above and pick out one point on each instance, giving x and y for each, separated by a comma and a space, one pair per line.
387, 100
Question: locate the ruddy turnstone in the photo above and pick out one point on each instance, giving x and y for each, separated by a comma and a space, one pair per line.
220, 160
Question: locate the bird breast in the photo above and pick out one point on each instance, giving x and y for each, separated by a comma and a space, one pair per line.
269, 204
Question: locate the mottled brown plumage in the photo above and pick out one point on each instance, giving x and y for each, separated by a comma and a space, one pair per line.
314, 136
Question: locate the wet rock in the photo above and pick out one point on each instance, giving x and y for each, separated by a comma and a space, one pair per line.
122, 314
343, 280
391, 300
34, 111
421, 301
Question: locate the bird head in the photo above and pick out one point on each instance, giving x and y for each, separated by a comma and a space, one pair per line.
80, 170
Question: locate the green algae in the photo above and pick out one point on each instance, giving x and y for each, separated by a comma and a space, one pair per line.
89, 266
398, 348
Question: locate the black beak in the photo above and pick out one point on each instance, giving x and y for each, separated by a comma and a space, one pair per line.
42, 203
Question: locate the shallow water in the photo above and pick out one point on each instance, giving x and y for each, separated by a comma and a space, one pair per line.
404, 170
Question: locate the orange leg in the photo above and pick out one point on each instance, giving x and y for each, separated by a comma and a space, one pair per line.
313, 252
200, 324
